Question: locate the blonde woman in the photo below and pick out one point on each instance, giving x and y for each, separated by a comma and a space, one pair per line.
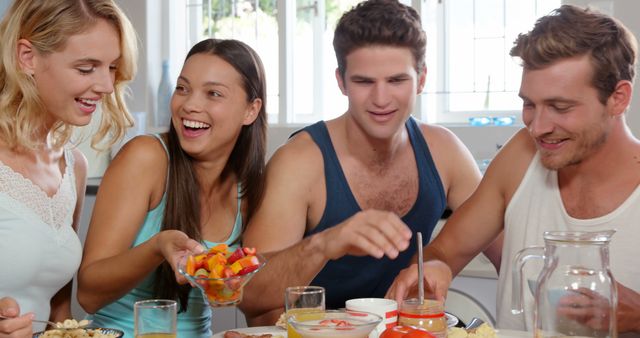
60, 61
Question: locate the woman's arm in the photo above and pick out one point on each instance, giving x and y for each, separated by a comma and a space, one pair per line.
132, 185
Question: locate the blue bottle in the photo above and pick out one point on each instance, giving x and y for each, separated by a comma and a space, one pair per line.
162, 117
503, 120
478, 121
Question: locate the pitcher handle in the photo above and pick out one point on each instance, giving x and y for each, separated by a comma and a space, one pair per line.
521, 257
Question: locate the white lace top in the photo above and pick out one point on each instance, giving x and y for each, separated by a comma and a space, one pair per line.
52, 210
39, 250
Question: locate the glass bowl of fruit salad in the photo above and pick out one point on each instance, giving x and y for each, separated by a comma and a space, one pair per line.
221, 272
335, 323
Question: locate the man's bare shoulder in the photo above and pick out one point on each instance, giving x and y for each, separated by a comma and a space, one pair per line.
434, 129
519, 149
447, 150
509, 166
299, 156
439, 137
293, 174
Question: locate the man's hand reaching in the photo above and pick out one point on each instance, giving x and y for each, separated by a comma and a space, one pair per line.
437, 276
371, 232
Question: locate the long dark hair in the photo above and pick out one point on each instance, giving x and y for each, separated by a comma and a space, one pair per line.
246, 161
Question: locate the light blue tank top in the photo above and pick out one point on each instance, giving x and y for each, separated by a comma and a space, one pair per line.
196, 321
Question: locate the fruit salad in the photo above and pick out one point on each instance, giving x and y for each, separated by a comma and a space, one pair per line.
222, 272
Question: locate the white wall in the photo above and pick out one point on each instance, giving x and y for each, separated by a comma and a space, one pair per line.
4, 4
151, 20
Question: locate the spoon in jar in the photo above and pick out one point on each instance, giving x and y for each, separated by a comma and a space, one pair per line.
420, 269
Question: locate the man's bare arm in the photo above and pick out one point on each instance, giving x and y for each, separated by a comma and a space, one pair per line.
279, 225
478, 222
371, 232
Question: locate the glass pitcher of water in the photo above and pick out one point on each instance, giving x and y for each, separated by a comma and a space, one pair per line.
575, 293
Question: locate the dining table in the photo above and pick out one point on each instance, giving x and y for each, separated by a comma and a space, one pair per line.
278, 331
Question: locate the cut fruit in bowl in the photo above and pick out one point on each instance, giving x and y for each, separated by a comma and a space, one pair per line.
335, 323
221, 273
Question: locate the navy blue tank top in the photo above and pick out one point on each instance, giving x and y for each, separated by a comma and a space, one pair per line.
356, 277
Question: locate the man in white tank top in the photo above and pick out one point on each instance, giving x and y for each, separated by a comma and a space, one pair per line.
576, 166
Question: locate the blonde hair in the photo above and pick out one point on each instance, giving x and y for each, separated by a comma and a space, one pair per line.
47, 24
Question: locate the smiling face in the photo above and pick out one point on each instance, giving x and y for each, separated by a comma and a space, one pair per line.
562, 112
71, 82
381, 83
209, 106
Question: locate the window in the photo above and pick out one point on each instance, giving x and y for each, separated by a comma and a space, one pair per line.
469, 70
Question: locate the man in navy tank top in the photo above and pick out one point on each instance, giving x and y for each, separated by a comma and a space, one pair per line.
575, 167
345, 197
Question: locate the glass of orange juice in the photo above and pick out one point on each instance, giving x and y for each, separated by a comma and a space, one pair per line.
305, 303
155, 318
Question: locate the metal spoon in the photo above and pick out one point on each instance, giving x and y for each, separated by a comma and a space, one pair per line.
474, 324
420, 269
33, 320
57, 326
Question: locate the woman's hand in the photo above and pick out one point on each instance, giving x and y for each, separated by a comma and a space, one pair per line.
16, 326
174, 246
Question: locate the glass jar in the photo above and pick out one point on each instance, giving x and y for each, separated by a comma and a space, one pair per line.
575, 293
429, 315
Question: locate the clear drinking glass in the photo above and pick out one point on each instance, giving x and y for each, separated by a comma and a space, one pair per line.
155, 318
303, 302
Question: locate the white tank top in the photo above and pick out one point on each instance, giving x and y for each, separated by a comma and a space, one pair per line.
39, 250
536, 207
